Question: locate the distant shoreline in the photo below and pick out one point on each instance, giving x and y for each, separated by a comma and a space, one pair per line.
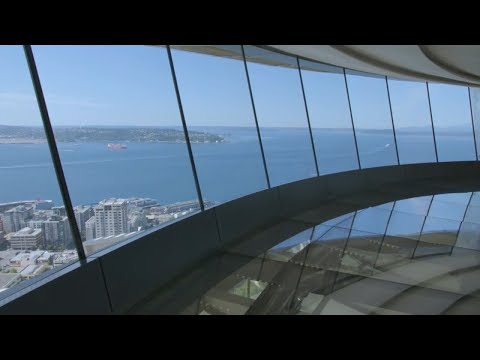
4, 141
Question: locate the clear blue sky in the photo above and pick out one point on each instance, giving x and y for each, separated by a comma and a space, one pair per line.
132, 85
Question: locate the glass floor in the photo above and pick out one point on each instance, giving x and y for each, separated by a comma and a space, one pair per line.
413, 256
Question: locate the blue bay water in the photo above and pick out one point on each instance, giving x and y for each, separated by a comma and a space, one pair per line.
162, 170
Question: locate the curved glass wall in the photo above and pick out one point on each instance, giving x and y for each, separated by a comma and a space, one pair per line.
330, 119
278, 98
372, 118
216, 100
413, 126
452, 121
117, 126
35, 233
355, 265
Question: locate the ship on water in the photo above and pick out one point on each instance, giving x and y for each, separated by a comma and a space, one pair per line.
116, 146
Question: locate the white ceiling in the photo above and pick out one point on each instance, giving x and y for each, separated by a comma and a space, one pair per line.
453, 64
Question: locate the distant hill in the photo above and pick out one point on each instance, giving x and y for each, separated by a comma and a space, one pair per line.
25, 134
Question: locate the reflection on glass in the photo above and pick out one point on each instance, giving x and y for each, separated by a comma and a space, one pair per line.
405, 224
452, 121
469, 236
446, 210
216, 100
290, 247
281, 116
373, 123
395, 250
329, 117
372, 220
326, 252
361, 252
418, 205
348, 271
120, 138
35, 234
440, 231
413, 126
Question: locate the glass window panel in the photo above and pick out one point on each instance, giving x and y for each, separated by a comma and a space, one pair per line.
440, 209
418, 205
310, 303
320, 230
405, 225
387, 206
316, 280
475, 199
118, 129
413, 127
373, 123
282, 119
361, 252
330, 118
290, 247
454, 198
440, 231
475, 103
216, 100
431, 249
395, 251
326, 252
469, 236
452, 121
473, 214
280, 273
372, 220
250, 289
35, 234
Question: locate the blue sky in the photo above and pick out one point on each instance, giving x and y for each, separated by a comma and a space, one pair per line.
132, 85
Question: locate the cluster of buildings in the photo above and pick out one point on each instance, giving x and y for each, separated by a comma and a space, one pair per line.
35, 235
38, 225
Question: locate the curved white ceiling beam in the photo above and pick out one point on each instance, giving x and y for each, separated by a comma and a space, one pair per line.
451, 64
407, 62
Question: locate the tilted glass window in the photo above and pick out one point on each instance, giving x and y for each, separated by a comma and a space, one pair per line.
216, 100
452, 121
475, 103
35, 233
413, 126
118, 129
281, 116
329, 117
372, 119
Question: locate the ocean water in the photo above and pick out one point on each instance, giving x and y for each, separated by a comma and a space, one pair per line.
226, 171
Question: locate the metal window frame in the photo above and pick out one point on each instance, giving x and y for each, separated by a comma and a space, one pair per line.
185, 129
52, 145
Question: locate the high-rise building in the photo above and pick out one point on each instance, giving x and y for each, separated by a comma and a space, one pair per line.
36, 224
16, 219
82, 215
59, 210
26, 239
111, 217
57, 232
90, 228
